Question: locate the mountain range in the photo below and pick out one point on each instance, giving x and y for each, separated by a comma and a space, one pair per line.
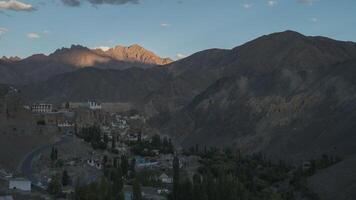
290, 96
274, 92
41, 67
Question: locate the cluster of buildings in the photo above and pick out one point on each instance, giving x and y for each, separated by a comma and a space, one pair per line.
124, 128
48, 108
93, 105
120, 122
86, 114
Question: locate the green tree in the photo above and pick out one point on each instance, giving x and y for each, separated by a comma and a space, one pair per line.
54, 154
65, 178
55, 186
105, 160
132, 167
198, 190
105, 191
118, 183
121, 195
136, 190
113, 142
124, 164
106, 139
77, 189
176, 178
186, 190
67, 106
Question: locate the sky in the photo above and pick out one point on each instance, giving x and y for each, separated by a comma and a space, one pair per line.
170, 28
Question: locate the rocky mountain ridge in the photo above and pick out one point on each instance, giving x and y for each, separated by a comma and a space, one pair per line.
40, 67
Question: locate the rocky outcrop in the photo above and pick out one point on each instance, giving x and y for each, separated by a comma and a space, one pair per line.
135, 54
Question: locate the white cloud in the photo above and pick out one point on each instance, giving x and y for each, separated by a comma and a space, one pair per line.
272, 3
165, 25
3, 31
103, 48
307, 2
33, 36
15, 5
46, 32
247, 5
314, 19
180, 56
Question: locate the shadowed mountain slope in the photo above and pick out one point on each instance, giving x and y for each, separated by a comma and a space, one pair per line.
284, 94
129, 85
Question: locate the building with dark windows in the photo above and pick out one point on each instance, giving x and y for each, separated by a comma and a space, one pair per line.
42, 108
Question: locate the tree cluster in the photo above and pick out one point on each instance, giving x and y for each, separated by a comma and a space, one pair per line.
111, 186
54, 154
94, 136
227, 175
145, 148
58, 182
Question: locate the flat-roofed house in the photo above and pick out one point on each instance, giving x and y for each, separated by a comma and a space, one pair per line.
93, 105
7, 197
42, 108
164, 178
20, 184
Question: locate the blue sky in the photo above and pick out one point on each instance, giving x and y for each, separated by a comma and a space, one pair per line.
167, 27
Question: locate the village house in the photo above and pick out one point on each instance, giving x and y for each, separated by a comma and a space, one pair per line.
20, 184
75, 105
5, 174
93, 105
7, 197
41, 108
306, 165
65, 124
163, 191
164, 178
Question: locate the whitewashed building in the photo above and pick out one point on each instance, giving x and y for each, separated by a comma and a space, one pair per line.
65, 124
164, 178
7, 197
94, 105
20, 184
42, 108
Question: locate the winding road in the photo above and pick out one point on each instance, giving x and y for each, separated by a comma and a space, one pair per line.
25, 167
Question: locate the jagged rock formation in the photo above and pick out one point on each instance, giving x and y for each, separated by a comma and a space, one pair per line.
135, 54
10, 59
40, 67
